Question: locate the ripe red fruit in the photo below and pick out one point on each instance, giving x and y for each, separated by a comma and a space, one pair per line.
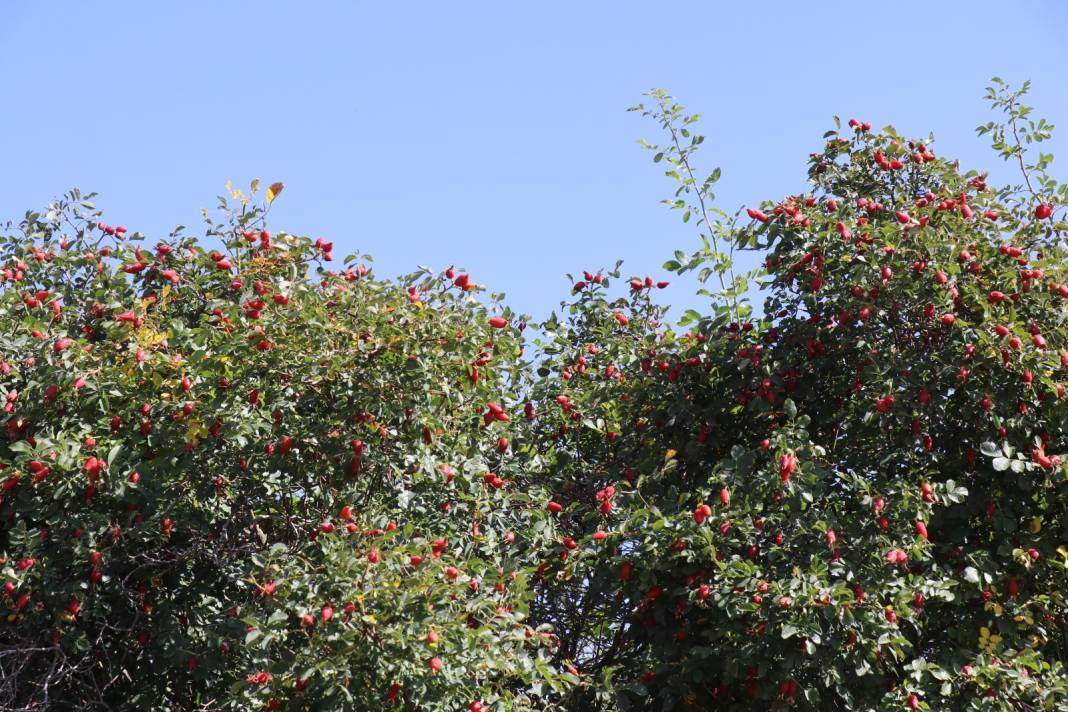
725, 497
498, 322
1043, 211
921, 529
913, 702
701, 513
787, 465
436, 664
554, 507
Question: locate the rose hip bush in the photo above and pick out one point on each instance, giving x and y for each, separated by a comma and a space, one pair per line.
239, 475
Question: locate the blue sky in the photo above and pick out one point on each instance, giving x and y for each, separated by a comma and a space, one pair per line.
490, 135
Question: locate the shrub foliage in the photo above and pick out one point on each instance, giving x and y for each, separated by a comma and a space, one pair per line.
239, 476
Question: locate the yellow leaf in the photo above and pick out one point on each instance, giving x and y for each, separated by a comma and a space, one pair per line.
194, 430
254, 186
273, 190
670, 455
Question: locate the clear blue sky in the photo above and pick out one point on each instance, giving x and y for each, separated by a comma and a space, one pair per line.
490, 135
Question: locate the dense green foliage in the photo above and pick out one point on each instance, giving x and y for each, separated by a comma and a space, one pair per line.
238, 477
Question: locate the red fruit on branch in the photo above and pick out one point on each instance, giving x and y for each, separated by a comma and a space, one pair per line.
787, 466
896, 557
701, 513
